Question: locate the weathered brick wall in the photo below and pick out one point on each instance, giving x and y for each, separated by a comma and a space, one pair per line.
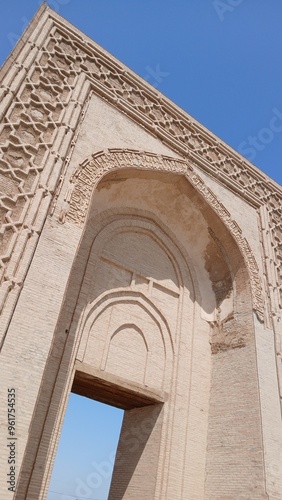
76, 122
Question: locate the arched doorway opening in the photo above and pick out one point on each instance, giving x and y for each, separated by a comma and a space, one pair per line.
159, 284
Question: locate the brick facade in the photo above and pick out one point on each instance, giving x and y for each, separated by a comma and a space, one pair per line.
141, 266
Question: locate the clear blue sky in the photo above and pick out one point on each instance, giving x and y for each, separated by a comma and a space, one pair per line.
87, 447
220, 62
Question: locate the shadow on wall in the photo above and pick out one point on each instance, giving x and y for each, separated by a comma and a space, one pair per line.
151, 235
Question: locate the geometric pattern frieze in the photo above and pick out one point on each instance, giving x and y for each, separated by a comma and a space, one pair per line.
42, 97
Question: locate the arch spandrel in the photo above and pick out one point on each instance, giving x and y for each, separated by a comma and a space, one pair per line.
91, 172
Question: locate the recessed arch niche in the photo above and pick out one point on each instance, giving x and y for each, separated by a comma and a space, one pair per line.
161, 280
134, 276
119, 164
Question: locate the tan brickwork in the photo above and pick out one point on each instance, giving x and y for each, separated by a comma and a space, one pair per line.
140, 266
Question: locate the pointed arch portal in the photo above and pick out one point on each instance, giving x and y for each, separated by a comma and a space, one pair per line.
150, 280
160, 281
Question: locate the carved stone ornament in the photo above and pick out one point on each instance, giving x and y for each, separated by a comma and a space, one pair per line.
44, 88
91, 171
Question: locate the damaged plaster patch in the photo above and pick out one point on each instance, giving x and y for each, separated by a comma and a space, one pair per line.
224, 336
218, 270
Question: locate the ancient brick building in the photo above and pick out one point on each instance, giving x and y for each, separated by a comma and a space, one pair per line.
140, 266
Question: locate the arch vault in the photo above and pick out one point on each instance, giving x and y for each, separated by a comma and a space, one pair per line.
160, 282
